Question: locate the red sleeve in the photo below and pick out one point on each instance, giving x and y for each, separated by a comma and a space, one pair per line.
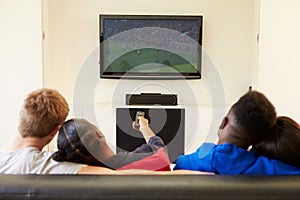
159, 161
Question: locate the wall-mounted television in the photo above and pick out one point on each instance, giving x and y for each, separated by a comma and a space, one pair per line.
150, 46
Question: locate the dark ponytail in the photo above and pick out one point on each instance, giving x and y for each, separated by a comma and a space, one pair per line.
70, 146
282, 142
59, 156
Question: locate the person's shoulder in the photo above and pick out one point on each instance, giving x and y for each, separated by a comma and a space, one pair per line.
18, 152
50, 166
44, 153
229, 147
207, 145
43, 161
229, 150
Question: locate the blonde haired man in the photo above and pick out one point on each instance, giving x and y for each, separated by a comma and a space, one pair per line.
42, 113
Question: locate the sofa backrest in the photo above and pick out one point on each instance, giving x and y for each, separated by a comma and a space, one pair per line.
145, 187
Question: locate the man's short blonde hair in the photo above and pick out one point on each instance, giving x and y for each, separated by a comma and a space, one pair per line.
42, 112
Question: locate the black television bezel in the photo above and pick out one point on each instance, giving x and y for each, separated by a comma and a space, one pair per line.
140, 75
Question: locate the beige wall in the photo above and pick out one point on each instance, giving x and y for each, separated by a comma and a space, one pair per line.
71, 28
229, 36
229, 40
20, 60
278, 74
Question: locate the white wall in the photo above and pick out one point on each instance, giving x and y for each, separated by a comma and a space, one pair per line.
20, 60
279, 63
229, 36
72, 34
229, 40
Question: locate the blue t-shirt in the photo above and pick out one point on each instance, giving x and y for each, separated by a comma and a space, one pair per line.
230, 159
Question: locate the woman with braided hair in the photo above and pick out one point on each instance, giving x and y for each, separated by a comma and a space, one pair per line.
79, 141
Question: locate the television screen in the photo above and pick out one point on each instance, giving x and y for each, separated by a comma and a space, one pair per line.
150, 46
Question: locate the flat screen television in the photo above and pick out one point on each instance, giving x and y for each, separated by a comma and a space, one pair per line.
150, 46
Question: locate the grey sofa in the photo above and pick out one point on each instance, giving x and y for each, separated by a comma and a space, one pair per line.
145, 187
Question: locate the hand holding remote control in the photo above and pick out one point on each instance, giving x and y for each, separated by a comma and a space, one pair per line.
141, 124
137, 118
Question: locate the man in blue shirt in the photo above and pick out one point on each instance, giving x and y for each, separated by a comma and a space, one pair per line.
230, 159
249, 121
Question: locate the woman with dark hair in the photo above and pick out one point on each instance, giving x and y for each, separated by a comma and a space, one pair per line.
74, 136
282, 142
81, 142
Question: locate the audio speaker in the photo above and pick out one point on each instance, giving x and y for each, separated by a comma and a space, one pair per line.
151, 99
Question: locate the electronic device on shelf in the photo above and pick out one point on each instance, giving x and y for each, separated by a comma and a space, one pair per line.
150, 46
151, 99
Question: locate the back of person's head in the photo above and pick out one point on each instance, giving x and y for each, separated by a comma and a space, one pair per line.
282, 142
43, 111
75, 140
249, 119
